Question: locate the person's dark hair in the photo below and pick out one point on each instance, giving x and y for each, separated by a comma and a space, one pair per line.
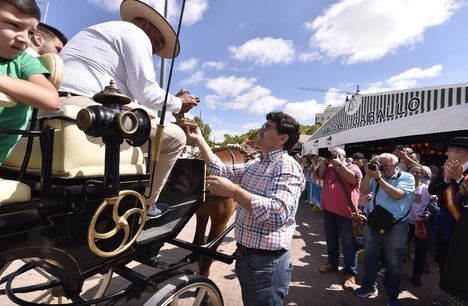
28, 7
286, 124
50, 31
357, 155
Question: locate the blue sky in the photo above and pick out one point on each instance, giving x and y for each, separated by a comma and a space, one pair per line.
246, 58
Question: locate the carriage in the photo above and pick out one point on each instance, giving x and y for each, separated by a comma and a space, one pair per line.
73, 207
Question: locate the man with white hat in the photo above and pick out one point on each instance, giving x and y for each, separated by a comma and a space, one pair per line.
122, 51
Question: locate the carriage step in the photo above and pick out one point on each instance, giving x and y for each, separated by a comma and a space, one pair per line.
181, 209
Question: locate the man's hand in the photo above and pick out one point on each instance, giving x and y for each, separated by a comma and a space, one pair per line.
193, 132
453, 170
188, 102
220, 186
336, 162
400, 154
375, 174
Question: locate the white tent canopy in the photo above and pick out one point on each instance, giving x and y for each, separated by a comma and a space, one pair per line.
394, 114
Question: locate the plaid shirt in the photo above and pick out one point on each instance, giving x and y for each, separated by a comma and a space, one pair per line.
276, 183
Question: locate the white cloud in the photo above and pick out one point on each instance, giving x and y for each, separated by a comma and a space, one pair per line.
252, 125
265, 51
212, 101
218, 135
405, 80
213, 65
240, 93
266, 104
334, 97
188, 64
230, 86
194, 79
310, 56
410, 77
193, 13
216, 120
366, 30
248, 98
305, 111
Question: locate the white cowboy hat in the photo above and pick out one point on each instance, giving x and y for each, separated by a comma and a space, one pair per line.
131, 9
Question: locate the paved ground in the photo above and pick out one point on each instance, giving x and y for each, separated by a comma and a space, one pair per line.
308, 286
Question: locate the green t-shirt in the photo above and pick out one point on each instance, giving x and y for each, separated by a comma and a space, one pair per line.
17, 117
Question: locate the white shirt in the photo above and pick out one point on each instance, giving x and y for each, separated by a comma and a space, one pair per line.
119, 51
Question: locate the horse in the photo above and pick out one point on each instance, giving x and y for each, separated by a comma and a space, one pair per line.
218, 209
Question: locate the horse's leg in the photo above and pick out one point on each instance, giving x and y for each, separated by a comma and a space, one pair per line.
220, 213
200, 229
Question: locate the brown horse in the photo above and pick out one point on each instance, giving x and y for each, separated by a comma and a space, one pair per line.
218, 209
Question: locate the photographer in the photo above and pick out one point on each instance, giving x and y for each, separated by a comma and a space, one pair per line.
392, 191
337, 213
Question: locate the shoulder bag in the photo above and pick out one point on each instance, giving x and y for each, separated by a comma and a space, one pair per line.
380, 219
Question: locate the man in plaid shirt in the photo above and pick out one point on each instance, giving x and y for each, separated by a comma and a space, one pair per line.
267, 191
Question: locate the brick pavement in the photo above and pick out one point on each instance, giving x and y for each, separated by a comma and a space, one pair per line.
308, 286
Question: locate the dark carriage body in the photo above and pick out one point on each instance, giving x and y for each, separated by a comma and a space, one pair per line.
55, 231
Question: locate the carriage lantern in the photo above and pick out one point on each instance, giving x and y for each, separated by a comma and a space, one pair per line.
114, 124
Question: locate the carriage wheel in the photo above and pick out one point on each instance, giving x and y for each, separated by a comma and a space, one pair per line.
187, 290
93, 287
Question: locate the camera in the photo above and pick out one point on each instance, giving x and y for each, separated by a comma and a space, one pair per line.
325, 153
399, 148
374, 166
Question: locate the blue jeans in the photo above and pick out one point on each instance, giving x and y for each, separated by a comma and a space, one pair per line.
337, 227
392, 244
264, 279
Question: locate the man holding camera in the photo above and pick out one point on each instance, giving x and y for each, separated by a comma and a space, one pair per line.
392, 189
338, 176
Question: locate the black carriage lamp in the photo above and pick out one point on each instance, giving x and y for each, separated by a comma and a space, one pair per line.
329, 140
111, 119
114, 124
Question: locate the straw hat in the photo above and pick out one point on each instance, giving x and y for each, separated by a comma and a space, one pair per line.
131, 9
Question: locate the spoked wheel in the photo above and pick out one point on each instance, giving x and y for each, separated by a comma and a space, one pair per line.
187, 290
38, 286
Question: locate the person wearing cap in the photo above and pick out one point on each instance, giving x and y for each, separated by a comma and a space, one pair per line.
446, 186
453, 278
123, 51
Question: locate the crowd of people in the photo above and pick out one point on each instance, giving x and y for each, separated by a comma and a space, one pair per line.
423, 204
391, 186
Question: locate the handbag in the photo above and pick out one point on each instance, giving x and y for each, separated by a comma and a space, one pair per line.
358, 218
380, 219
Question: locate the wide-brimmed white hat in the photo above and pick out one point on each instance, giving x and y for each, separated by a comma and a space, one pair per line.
131, 9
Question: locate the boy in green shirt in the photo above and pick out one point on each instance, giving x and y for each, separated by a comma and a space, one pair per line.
21, 75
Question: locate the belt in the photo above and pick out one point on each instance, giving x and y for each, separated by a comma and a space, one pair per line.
66, 94
249, 251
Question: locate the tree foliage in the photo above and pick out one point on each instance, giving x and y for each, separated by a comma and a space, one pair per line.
251, 134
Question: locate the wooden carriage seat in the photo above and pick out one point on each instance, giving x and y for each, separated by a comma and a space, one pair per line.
76, 154
13, 191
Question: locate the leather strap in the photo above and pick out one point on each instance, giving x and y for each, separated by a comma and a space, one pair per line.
346, 192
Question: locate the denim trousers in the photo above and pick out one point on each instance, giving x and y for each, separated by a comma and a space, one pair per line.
264, 279
336, 227
392, 246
